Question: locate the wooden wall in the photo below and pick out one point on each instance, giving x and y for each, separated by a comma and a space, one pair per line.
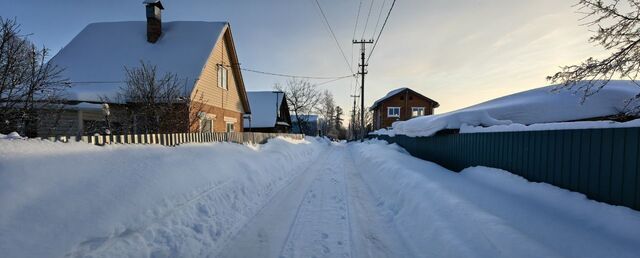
405, 100
207, 86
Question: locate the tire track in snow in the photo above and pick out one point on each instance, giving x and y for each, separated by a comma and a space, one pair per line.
321, 226
326, 212
256, 238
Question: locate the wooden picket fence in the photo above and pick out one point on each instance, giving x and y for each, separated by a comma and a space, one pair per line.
175, 139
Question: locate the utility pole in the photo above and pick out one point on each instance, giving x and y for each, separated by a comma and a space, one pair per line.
362, 72
353, 115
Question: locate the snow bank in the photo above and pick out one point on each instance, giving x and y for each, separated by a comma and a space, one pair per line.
539, 105
11, 136
77, 199
548, 126
485, 212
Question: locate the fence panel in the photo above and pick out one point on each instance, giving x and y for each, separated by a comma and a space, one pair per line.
175, 139
603, 164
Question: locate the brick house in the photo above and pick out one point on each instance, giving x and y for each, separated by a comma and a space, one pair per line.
200, 54
400, 105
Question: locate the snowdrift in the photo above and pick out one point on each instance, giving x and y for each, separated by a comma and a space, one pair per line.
81, 200
535, 106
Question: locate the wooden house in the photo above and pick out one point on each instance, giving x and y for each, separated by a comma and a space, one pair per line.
400, 105
201, 54
270, 112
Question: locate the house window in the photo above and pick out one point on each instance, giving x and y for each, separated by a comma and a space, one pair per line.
230, 127
417, 111
393, 112
206, 125
222, 77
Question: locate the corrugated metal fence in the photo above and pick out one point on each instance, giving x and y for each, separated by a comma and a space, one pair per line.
177, 138
601, 163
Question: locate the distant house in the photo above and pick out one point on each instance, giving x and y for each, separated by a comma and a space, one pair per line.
270, 112
310, 125
399, 105
202, 54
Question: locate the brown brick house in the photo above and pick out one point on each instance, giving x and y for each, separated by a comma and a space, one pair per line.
399, 105
202, 54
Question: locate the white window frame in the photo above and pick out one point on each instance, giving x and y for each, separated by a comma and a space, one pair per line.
203, 117
413, 110
389, 114
223, 77
233, 127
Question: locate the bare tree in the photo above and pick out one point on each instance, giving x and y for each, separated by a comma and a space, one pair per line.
303, 99
618, 31
30, 88
154, 103
357, 125
327, 109
338, 118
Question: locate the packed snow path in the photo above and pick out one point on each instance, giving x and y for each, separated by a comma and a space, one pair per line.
326, 212
287, 199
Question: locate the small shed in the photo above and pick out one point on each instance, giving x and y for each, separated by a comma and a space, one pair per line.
270, 112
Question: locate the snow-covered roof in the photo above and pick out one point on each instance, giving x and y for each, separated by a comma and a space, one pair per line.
395, 92
95, 59
541, 105
265, 106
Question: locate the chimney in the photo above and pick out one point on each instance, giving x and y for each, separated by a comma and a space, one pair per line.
154, 22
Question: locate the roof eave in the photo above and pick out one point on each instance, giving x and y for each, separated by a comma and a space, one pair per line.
236, 68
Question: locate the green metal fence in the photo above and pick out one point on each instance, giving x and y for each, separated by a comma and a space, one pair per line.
600, 163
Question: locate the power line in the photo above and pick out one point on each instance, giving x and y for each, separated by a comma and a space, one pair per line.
334, 36
294, 76
367, 22
336, 79
381, 30
331, 78
379, 16
355, 28
93, 82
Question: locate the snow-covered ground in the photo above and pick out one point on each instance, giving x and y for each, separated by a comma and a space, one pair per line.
287, 198
537, 106
142, 201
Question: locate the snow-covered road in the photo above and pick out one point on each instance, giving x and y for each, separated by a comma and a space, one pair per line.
325, 212
288, 199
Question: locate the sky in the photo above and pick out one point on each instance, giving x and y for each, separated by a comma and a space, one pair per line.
457, 52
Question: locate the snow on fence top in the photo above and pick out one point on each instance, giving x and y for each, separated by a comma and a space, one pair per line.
540, 105
95, 59
265, 106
